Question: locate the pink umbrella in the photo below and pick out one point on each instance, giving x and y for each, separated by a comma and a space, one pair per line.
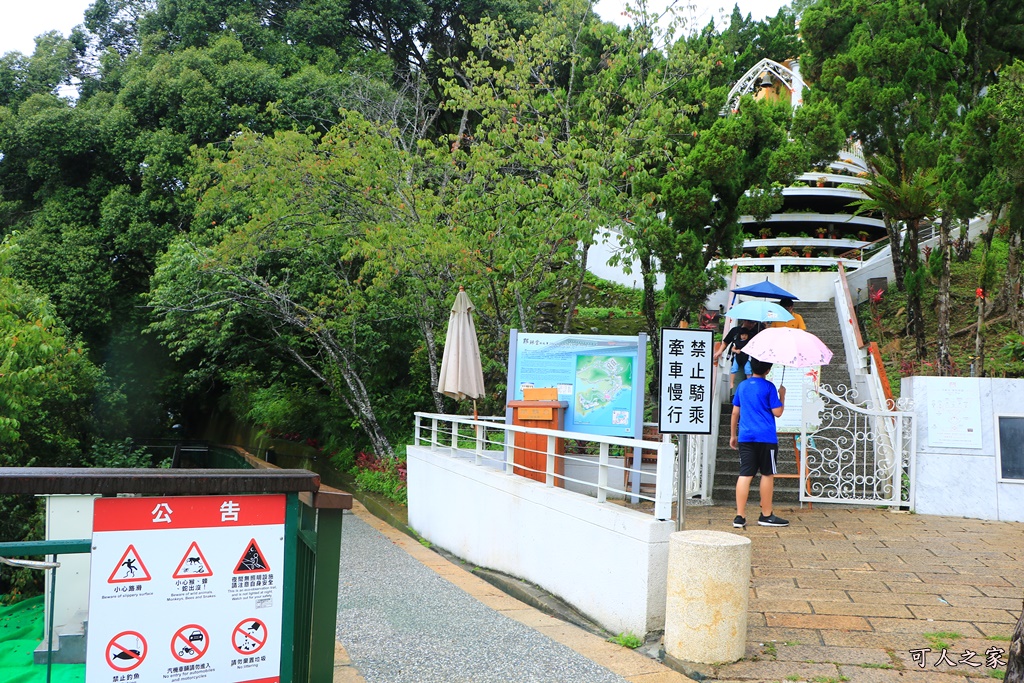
789, 347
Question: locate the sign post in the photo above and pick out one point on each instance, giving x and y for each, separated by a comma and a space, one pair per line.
684, 395
187, 588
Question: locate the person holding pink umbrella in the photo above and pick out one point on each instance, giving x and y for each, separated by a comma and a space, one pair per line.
752, 431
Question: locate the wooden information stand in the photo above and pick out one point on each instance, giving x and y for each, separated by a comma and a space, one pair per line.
539, 409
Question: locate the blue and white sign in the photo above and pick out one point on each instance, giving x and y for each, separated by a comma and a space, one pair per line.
600, 376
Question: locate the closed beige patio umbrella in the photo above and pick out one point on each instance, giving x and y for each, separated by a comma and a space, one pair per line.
462, 375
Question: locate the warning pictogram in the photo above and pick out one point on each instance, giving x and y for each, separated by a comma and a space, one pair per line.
249, 636
190, 643
253, 560
193, 564
126, 650
129, 568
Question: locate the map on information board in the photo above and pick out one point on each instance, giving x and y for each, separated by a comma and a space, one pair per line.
596, 375
604, 390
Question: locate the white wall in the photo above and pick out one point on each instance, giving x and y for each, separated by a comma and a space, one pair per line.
607, 561
960, 481
69, 518
608, 244
806, 285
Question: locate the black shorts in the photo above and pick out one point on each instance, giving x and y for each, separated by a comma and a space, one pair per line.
756, 456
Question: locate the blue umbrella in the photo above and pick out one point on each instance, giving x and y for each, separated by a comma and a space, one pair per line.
765, 289
762, 311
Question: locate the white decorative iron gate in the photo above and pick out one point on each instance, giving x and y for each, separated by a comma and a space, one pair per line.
855, 453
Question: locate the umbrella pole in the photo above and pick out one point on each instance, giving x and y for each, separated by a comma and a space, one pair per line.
474, 410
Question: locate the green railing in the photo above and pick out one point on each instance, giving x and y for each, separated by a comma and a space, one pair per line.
312, 544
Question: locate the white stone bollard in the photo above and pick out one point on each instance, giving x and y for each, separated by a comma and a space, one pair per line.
708, 593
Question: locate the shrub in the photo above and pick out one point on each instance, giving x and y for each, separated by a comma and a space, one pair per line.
386, 477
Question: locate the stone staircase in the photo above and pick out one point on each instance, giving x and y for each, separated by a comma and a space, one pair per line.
821, 320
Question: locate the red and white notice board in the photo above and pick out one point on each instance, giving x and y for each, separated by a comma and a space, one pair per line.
186, 589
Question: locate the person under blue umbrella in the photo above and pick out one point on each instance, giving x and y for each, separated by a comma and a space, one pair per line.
733, 342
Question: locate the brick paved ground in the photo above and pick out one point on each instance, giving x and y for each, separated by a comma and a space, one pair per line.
847, 594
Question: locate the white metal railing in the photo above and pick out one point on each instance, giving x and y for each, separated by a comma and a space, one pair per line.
492, 443
777, 262
894, 451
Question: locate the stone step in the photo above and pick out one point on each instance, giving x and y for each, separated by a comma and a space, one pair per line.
821, 320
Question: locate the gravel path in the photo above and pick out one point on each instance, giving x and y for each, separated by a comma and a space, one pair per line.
401, 622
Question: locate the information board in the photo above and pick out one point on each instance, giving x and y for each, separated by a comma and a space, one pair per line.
794, 380
1010, 447
601, 377
684, 387
186, 589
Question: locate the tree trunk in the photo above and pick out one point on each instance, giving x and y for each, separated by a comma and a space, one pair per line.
650, 312
979, 340
914, 310
983, 282
942, 335
356, 399
896, 249
577, 291
427, 329
1013, 283
1015, 655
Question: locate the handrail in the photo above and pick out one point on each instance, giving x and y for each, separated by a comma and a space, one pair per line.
872, 348
87, 480
53, 547
429, 436
876, 354
849, 303
627, 442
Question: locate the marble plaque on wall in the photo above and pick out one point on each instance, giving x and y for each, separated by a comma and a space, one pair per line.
954, 413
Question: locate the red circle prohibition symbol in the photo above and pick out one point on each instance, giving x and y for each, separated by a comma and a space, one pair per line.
190, 643
122, 657
249, 636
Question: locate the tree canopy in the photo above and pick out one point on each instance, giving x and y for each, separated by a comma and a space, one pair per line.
266, 208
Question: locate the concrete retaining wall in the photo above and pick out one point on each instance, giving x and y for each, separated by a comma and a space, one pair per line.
605, 560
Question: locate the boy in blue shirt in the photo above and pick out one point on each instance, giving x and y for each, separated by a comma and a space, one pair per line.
754, 408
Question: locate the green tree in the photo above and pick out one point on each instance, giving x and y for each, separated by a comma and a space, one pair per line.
737, 166
905, 201
907, 78
274, 266
995, 133
53, 63
54, 406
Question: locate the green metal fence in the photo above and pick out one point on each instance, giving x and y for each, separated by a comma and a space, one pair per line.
312, 544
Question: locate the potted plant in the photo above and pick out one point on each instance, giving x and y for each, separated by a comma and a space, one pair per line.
762, 251
807, 252
786, 251
822, 232
821, 181
862, 235
765, 233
